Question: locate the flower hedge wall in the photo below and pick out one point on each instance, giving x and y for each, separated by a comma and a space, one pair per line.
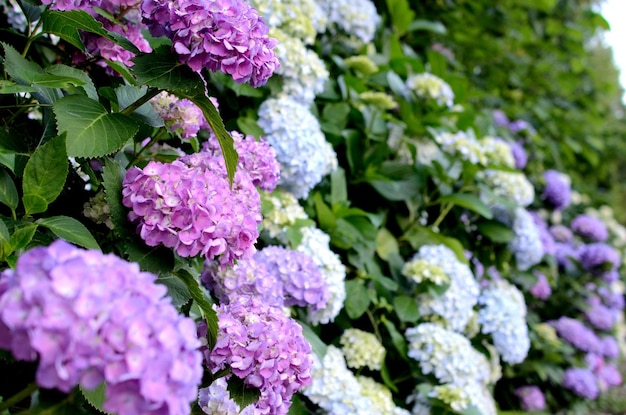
307, 207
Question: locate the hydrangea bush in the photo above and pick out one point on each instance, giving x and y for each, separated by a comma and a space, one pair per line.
350, 233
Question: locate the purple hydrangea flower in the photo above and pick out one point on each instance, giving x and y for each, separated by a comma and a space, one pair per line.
181, 116
609, 347
561, 233
263, 347
541, 289
612, 299
531, 398
256, 157
582, 382
577, 334
215, 400
519, 154
599, 315
218, 35
557, 192
520, 125
589, 227
90, 317
599, 258
500, 118
608, 376
547, 241
190, 206
565, 253
303, 284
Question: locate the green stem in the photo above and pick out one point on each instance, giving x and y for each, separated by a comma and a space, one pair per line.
153, 140
151, 93
443, 214
18, 397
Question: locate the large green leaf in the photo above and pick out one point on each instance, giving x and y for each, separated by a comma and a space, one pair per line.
401, 15
95, 397
8, 191
496, 231
112, 175
22, 236
9, 87
127, 94
69, 229
427, 25
44, 175
317, 345
198, 296
73, 73
242, 394
161, 69
468, 201
406, 308
67, 24
91, 130
357, 299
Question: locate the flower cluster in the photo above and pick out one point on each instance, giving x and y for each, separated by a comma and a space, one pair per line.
380, 396
582, 382
503, 315
590, 228
599, 258
547, 240
362, 349
303, 72
420, 271
456, 303
428, 86
519, 154
508, 185
281, 211
599, 315
215, 399
263, 347
299, 19
89, 318
190, 206
531, 398
463, 145
353, 22
498, 151
526, 243
541, 289
181, 116
301, 148
316, 244
227, 36
557, 192
577, 334
97, 209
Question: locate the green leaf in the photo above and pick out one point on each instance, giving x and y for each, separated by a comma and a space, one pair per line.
66, 25
406, 309
198, 296
22, 236
95, 397
157, 260
496, 231
420, 235
397, 338
248, 125
7, 159
8, 191
112, 176
44, 175
127, 94
357, 299
338, 186
468, 201
74, 73
176, 289
325, 215
161, 69
10, 87
386, 244
242, 394
317, 345
401, 15
69, 229
427, 25
91, 130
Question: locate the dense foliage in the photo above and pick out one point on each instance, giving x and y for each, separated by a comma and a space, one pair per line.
309, 206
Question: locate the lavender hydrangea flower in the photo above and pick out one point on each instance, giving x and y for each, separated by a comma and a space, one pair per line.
561, 233
181, 116
301, 148
303, 284
582, 382
565, 253
609, 347
557, 192
577, 334
531, 398
500, 118
90, 317
519, 154
547, 241
541, 289
590, 228
218, 35
265, 348
599, 258
521, 125
599, 315
190, 206
608, 376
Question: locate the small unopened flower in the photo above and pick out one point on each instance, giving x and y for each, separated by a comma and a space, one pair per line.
421, 270
362, 64
378, 99
429, 86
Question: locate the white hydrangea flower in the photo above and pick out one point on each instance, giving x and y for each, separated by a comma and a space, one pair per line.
509, 185
503, 315
448, 355
281, 211
316, 244
14, 15
357, 19
462, 144
334, 388
304, 155
304, 73
362, 349
429, 86
297, 18
456, 303
526, 244
498, 151
380, 396
453, 395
